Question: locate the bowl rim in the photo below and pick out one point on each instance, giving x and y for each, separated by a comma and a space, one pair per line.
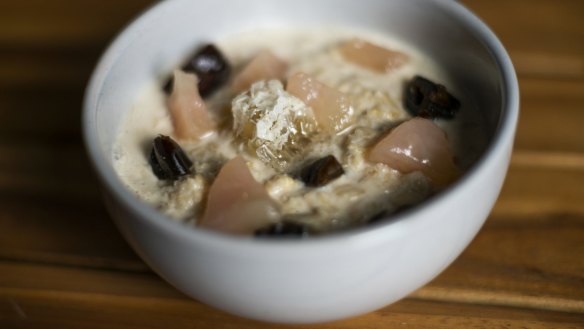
504, 134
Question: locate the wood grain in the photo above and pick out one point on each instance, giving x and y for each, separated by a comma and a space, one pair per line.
37, 310
63, 264
543, 38
85, 298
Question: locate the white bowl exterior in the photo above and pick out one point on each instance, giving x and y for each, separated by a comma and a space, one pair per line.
326, 278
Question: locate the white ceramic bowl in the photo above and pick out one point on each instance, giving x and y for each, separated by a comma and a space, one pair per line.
330, 277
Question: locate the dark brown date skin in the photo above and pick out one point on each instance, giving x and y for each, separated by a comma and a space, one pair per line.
210, 66
427, 99
168, 160
285, 229
321, 171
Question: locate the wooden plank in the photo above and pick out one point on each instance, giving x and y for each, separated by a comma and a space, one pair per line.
37, 66
551, 117
49, 203
533, 24
526, 262
60, 231
72, 279
544, 37
533, 190
522, 269
58, 42
529, 253
82, 298
533, 241
64, 23
42, 116
57, 165
530, 28
546, 64
553, 160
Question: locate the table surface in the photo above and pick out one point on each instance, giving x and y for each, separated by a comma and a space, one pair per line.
63, 264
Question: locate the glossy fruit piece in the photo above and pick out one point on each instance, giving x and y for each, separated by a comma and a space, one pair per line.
332, 109
427, 99
210, 65
168, 160
188, 111
237, 203
417, 145
372, 57
212, 68
264, 66
321, 171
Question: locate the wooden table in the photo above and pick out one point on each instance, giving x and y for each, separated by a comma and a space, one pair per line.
63, 264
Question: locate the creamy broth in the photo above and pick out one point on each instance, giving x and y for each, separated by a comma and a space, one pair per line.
362, 192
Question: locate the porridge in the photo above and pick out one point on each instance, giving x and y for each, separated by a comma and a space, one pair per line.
296, 133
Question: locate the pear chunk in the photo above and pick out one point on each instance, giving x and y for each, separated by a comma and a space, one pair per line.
237, 203
417, 145
188, 111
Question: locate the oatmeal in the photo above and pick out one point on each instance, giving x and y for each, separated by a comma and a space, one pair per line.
295, 132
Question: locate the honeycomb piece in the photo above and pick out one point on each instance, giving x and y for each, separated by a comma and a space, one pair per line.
272, 124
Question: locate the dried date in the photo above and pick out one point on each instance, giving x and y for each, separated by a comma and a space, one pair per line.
210, 66
283, 229
427, 99
168, 160
321, 171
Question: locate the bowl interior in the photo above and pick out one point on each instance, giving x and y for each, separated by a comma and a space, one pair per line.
152, 45
155, 43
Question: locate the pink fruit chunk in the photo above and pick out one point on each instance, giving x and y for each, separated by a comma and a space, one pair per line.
332, 109
237, 203
371, 56
264, 66
188, 111
417, 145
